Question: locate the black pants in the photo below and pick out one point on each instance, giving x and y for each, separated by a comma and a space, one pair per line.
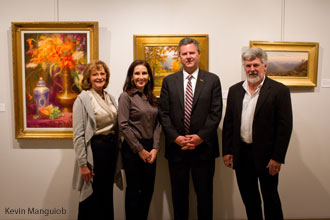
202, 172
247, 178
140, 178
100, 204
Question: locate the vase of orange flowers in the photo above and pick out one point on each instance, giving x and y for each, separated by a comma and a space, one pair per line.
62, 57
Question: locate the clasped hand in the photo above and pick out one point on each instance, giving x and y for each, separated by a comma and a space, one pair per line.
148, 157
188, 142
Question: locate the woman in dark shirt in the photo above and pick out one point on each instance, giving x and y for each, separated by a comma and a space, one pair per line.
138, 123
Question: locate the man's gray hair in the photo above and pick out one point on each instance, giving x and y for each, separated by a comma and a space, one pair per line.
188, 40
253, 53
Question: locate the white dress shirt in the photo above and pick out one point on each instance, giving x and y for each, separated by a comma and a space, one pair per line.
248, 109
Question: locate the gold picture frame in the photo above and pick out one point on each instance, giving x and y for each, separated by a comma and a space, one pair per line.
48, 58
160, 51
292, 63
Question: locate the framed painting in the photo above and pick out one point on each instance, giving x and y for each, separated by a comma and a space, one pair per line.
48, 59
291, 63
161, 52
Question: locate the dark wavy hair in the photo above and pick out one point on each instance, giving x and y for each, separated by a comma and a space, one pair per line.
89, 69
129, 85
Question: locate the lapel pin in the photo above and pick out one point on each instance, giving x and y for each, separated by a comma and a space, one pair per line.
202, 80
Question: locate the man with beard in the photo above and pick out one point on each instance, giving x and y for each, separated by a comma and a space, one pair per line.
256, 134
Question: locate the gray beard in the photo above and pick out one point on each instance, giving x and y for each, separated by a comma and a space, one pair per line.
254, 78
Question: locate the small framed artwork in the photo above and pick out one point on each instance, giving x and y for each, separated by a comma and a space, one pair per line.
291, 63
161, 52
48, 59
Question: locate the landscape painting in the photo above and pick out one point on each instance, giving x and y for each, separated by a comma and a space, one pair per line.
287, 64
292, 63
163, 60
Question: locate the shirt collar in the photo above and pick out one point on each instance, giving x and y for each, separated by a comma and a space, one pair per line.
136, 91
245, 85
194, 74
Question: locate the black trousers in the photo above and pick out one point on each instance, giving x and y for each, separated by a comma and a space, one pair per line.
247, 178
100, 204
140, 177
202, 172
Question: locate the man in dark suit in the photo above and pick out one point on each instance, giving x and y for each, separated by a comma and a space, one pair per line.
190, 116
256, 134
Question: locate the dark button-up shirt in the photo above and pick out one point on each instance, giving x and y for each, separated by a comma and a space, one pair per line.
138, 119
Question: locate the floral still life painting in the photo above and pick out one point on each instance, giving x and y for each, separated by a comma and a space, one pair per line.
53, 71
48, 63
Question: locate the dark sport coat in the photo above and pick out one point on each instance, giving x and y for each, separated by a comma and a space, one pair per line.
272, 123
205, 116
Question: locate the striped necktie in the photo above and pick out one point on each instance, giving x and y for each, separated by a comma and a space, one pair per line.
188, 105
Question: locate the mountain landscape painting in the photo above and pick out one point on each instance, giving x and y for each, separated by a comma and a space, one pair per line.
292, 64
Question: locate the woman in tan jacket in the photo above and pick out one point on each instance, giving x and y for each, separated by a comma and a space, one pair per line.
94, 137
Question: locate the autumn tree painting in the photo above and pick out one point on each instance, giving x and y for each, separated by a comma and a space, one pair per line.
163, 61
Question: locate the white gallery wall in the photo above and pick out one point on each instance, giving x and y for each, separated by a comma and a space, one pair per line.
37, 173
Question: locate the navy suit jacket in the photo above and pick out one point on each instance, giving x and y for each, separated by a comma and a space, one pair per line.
272, 123
205, 116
